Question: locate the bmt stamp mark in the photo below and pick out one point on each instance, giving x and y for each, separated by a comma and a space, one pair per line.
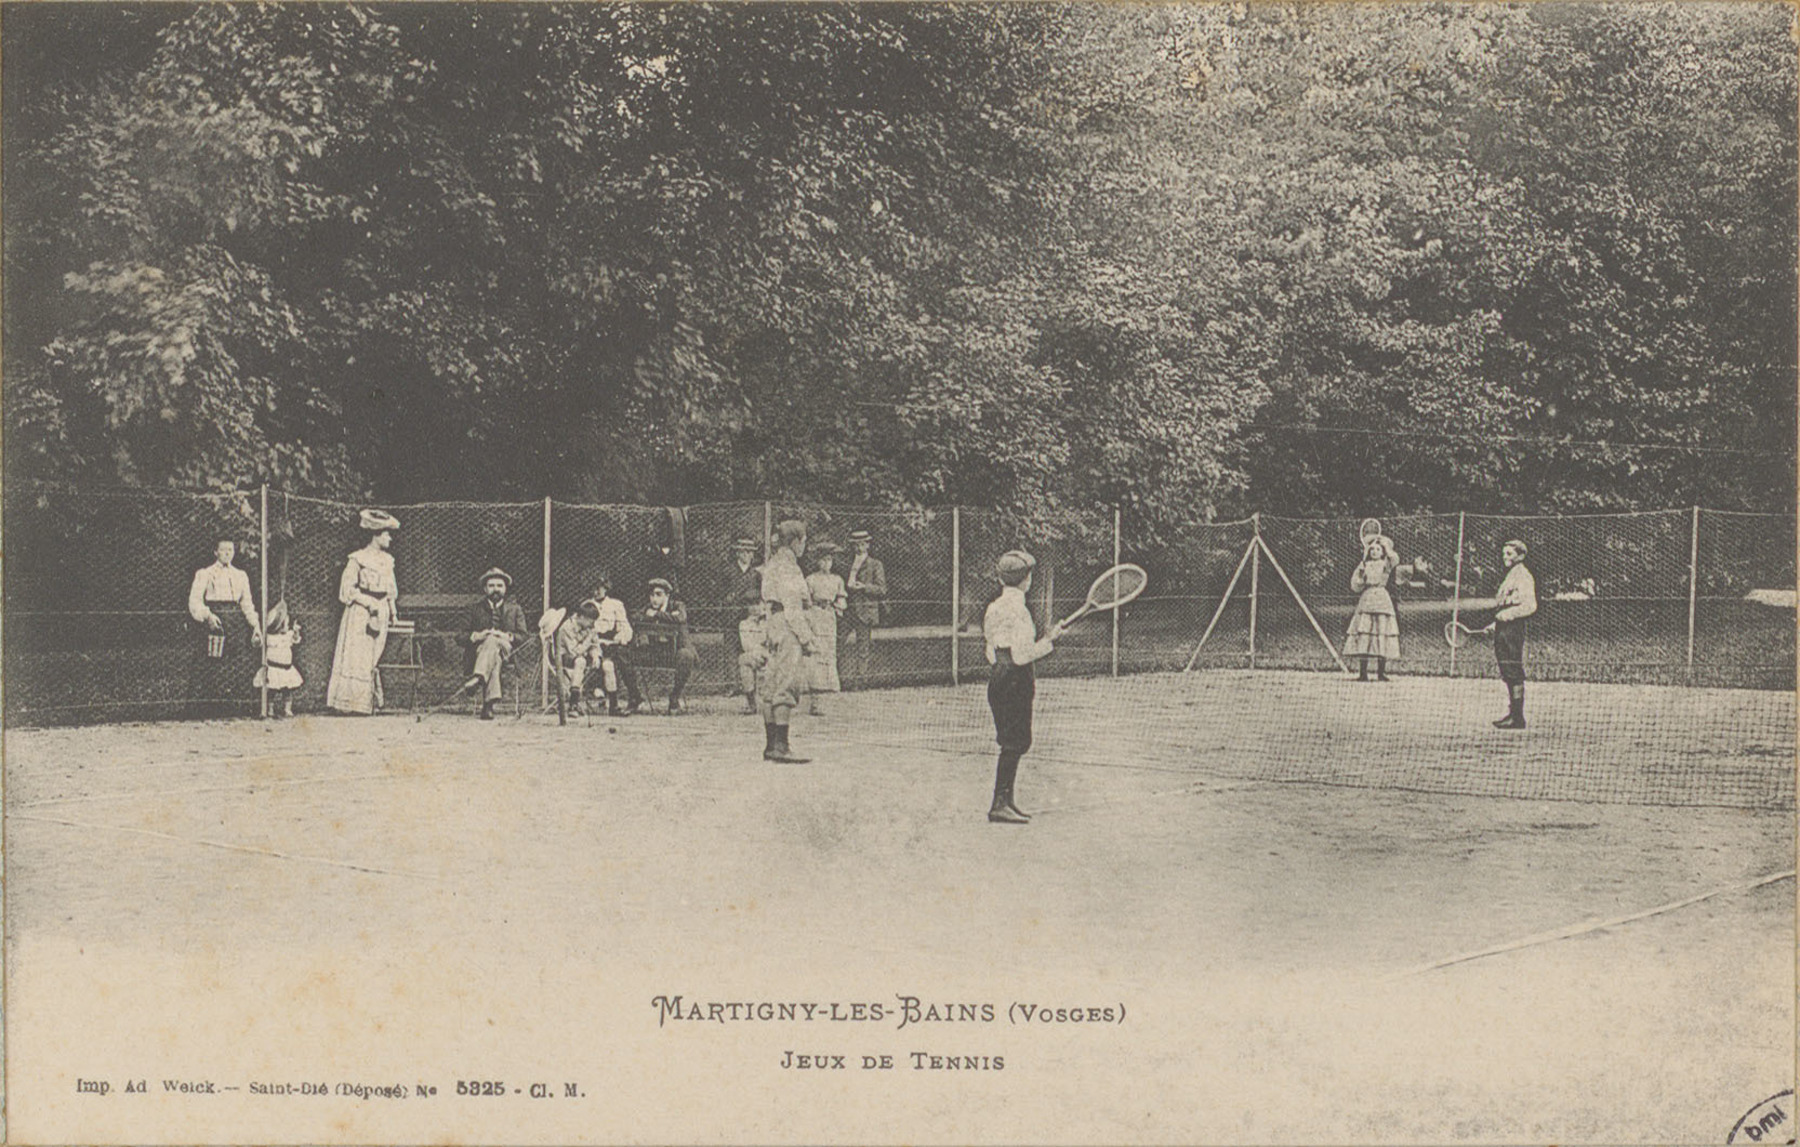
1768, 1121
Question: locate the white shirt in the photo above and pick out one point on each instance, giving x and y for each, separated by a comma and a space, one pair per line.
613, 625
220, 583
1007, 624
1517, 598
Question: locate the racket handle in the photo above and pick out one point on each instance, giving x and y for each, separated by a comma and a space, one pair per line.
1077, 615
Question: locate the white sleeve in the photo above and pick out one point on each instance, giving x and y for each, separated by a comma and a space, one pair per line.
197, 597
246, 601
1519, 592
1017, 633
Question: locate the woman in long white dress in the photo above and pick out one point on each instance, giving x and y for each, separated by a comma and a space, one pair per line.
828, 603
368, 590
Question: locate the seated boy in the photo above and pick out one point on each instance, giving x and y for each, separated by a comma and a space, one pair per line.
578, 651
612, 627
662, 635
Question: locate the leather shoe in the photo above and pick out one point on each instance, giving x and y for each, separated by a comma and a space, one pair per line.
1016, 810
1005, 815
786, 757
1510, 721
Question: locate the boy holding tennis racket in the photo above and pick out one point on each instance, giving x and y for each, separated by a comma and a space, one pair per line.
1012, 647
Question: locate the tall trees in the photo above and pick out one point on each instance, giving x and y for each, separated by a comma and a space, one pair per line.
1184, 258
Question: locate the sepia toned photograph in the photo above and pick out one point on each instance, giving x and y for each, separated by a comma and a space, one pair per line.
899, 573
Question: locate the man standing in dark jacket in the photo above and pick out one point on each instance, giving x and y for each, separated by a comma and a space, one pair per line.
743, 594
495, 625
867, 588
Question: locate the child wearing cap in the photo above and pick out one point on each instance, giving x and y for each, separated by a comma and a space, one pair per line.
663, 631
751, 654
1013, 646
577, 650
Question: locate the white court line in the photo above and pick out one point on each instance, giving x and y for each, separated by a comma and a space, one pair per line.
1587, 926
227, 846
238, 787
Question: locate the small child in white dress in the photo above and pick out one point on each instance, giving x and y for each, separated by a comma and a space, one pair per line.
278, 645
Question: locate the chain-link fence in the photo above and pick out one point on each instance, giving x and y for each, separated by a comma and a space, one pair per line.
98, 585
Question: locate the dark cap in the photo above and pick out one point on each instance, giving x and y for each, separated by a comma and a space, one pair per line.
1013, 566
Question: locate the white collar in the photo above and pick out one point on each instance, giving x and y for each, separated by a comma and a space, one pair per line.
1015, 591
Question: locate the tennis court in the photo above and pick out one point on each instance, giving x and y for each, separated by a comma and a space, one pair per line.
1330, 911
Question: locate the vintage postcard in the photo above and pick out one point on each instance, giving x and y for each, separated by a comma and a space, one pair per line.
899, 573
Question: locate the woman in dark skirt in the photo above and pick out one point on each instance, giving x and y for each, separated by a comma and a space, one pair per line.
1013, 647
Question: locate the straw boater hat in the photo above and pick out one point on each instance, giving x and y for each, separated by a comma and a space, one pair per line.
661, 583
744, 542
496, 572
375, 521
825, 549
1013, 566
859, 535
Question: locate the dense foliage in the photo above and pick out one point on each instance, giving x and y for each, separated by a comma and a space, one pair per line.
1187, 258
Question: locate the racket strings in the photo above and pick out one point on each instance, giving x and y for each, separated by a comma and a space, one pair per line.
1117, 586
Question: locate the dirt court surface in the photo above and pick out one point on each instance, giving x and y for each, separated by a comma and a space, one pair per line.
386, 901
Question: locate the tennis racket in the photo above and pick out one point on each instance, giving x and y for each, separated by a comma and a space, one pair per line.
1457, 635
1371, 528
1110, 590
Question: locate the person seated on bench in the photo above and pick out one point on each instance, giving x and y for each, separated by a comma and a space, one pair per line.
495, 625
613, 628
662, 638
578, 652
